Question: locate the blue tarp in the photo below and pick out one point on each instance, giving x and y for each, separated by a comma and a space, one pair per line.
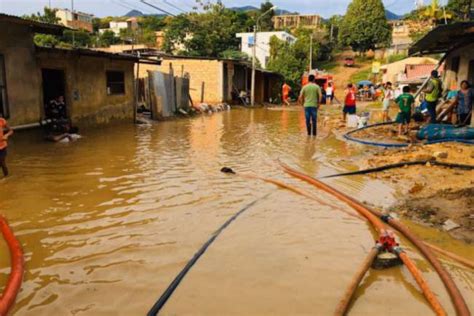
434, 132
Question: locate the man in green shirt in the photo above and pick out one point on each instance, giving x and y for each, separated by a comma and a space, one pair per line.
405, 101
310, 98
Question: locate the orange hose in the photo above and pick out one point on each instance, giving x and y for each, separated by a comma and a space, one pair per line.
16, 275
464, 261
435, 304
343, 305
457, 298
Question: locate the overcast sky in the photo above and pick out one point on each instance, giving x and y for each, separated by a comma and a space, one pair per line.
102, 8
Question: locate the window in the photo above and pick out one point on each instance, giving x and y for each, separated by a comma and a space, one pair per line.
3, 89
251, 41
115, 82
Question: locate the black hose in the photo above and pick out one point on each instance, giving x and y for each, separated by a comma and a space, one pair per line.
400, 165
177, 280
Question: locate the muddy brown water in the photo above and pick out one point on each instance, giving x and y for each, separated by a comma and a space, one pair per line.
107, 222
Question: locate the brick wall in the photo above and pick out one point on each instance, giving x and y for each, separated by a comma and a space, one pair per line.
206, 77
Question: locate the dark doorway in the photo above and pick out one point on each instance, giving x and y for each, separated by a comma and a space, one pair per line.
53, 85
226, 83
470, 76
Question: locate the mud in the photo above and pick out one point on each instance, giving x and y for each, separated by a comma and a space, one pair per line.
433, 194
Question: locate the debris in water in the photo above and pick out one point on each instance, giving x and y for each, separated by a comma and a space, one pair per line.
227, 170
450, 225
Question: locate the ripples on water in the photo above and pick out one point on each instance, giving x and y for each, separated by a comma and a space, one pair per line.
107, 222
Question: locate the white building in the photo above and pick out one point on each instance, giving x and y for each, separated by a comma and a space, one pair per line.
75, 19
116, 26
263, 44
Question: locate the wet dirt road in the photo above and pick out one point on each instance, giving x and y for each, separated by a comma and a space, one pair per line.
106, 223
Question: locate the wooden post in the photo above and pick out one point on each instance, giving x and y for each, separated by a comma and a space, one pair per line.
135, 107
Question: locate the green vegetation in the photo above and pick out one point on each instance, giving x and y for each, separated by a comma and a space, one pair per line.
396, 57
292, 60
364, 74
365, 26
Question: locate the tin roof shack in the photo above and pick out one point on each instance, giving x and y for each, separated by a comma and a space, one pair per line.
20, 82
214, 80
97, 86
456, 41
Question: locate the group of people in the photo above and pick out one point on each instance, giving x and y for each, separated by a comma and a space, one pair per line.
312, 95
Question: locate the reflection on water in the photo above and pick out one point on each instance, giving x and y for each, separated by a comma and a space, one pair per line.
107, 222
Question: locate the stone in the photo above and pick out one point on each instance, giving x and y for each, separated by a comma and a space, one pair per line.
450, 225
417, 187
386, 260
424, 157
441, 154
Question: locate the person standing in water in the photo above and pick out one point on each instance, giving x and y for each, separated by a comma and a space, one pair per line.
310, 98
285, 94
5, 133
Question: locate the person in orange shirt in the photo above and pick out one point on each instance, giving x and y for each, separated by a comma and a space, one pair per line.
5, 133
285, 95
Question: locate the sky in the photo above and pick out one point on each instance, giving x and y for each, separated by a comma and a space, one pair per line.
103, 8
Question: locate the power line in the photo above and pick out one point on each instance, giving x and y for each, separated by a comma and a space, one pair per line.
157, 8
173, 6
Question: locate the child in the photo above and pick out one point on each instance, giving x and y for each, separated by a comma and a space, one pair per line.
405, 101
349, 102
5, 132
387, 98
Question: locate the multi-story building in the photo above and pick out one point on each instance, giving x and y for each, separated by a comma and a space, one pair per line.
309, 21
75, 19
117, 26
262, 44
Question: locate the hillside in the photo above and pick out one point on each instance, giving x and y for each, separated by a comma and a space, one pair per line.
392, 16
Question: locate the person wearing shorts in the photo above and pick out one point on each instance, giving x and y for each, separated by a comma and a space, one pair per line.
349, 102
388, 97
405, 102
5, 133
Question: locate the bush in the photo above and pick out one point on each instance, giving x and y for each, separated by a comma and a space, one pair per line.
395, 57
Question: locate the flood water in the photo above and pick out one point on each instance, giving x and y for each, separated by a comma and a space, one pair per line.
107, 222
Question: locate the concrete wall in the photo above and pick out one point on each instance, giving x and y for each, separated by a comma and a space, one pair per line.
23, 83
453, 78
206, 77
86, 92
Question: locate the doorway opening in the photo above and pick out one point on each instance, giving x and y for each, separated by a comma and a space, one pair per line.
53, 88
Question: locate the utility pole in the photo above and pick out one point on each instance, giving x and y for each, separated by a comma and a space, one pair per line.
311, 53
254, 54
331, 34
254, 65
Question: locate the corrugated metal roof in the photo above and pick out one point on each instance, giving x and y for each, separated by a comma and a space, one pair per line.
419, 71
444, 38
36, 27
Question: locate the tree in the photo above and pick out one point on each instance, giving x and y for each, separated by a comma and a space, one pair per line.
234, 54
81, 38
48, 16
266, 22
365, 26
205, 34
108, 38
461, 8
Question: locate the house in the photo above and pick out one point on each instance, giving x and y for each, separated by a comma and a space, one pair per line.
395, 72
295, 21
456, 42
75, 19
98, 87
117, 27
216, 80
263, 44
401, 39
